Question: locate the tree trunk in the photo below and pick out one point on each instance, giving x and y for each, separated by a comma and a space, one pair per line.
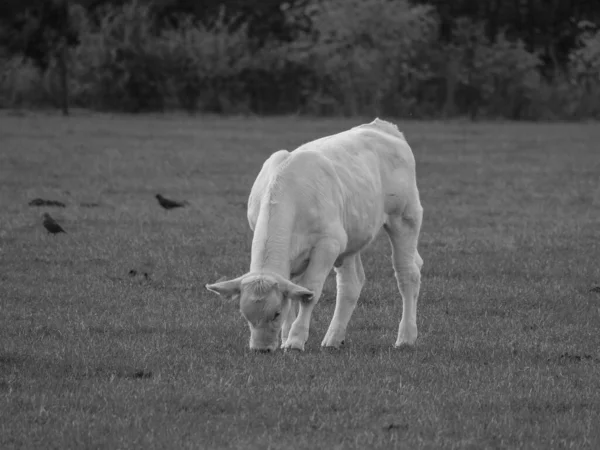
531, 25
64, 76
451, 75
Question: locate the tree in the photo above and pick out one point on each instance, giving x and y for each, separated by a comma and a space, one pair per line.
547, 27
40, 30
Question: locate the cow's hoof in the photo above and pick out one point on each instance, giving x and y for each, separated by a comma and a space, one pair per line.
334, 338
292, 351
404, 346
293, 344
331, 349
332, 343
407, 336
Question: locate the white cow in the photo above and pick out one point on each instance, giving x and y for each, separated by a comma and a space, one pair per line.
315, 209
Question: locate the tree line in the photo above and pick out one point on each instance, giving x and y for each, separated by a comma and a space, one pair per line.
519, 59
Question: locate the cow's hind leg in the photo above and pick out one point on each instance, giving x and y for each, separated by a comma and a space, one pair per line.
403, 232
350, 278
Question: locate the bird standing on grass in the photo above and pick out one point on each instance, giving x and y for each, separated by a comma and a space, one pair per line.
51, 225
169, 204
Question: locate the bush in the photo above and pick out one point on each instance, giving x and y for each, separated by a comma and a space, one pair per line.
497, 78
21, 84
118, 64
584, 68
357, 57
203, 63
364, 52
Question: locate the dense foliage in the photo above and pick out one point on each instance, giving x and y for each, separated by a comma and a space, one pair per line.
516, 60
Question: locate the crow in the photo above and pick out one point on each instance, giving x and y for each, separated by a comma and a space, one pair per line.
42, 202
51, 225
169, 204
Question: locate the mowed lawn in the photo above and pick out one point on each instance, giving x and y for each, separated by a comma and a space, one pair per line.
91, 356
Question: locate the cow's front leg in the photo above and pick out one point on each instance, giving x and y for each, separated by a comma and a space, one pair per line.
288, 320
321, 262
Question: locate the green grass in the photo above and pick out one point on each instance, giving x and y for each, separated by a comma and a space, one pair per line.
508, 354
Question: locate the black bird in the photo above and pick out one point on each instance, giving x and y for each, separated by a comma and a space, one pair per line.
595, 289
51, 225
169, 204
42, 202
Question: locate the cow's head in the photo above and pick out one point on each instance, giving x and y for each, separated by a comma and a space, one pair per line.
265, 299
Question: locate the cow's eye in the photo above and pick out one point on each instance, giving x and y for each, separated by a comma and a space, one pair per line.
277, 314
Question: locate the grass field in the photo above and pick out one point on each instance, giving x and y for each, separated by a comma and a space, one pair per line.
508, 354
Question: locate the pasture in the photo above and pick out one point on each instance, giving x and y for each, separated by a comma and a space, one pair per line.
93, 355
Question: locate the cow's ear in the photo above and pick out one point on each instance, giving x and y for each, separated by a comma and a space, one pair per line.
299, 293
228, 289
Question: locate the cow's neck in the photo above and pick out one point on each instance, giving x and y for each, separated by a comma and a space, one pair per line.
272, 238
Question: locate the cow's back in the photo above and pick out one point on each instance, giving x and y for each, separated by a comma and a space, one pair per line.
377, 150
352, 179
374, 171
374, 157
